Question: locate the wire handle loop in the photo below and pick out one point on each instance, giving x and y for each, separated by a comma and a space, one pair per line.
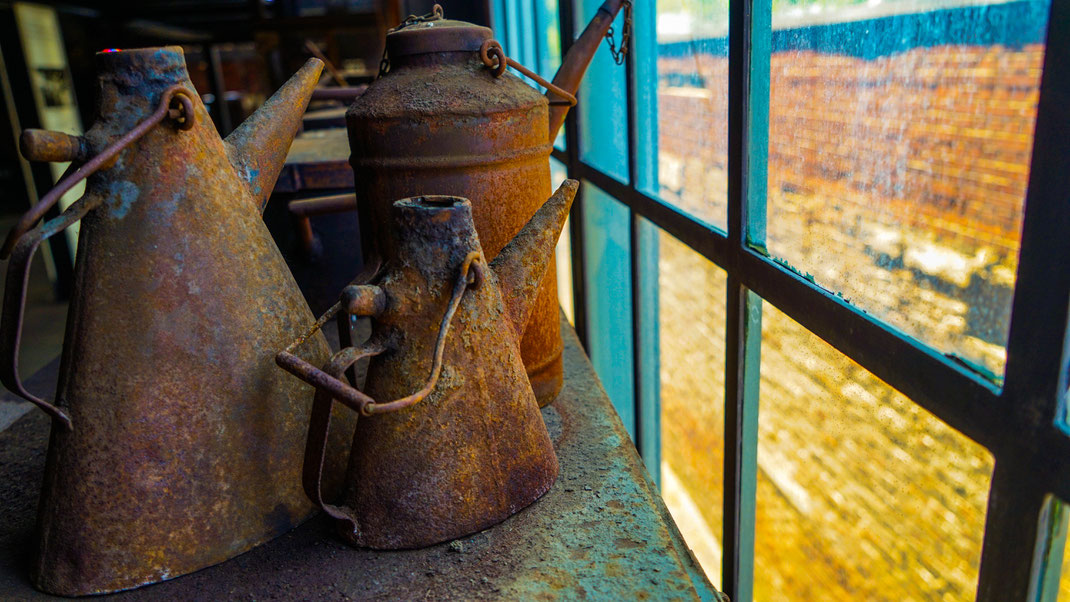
493, 56
471, 275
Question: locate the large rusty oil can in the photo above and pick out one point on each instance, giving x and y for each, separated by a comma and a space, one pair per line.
446, 118
176, 443
462, 446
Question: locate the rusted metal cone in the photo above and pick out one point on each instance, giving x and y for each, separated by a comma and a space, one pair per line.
469, 448
183, 444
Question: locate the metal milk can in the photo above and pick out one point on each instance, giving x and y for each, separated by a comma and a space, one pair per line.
462, 446
176, 443
446, 118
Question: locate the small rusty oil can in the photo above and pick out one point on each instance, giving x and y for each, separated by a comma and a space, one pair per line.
462, 446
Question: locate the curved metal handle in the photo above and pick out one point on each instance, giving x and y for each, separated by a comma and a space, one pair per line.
319, 428
493, 56
183, 116
18, 274
22, 242
470, 275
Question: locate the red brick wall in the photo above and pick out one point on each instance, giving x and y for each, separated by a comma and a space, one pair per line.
935, 137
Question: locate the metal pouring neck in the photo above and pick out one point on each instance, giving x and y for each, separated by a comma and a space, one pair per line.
435, 231
138, 68
131, 81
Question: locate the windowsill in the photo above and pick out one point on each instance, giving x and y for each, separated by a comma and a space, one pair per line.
602, 529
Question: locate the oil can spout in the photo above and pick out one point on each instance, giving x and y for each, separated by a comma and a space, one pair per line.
579, 58
259, 146
521, 265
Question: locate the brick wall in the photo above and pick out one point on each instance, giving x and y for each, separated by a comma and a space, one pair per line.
938, 137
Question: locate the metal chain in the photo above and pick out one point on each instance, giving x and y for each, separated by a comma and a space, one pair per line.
436, 14
625, 36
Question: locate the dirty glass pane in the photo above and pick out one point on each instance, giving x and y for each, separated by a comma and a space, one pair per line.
690, 73
1055, 573
607, 271
603, 123
1064, 561
691, 302
563, 252
861, 494
548, 39
900, 135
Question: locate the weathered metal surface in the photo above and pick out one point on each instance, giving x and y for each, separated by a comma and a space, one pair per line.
452, 442
493, 56
440, 122
46, 145
187, 443
601, 532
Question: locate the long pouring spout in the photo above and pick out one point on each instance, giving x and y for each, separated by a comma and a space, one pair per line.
579, 58
258, 147
522, 264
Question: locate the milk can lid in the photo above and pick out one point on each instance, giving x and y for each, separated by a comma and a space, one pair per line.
435, 34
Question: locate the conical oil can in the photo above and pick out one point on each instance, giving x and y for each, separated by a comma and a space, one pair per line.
176, 444
462, 446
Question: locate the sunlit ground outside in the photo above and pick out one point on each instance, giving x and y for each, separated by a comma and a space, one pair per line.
691, 324
862, 494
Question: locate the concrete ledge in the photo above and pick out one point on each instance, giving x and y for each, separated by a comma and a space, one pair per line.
602, 531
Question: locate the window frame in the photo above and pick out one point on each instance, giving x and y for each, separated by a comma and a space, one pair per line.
1018, 422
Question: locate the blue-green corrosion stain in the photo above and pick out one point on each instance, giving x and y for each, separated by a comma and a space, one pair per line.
252, 176
121, 196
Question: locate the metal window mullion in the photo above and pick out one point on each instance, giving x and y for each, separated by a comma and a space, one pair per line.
645, 358
1012, 527
1036, 378
748, 48
742, 366
566, 23
1037, 345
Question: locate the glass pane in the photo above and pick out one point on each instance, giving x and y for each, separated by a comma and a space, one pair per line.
691, 302
691, 76
899, 148
1064, 562
1055, 574
548, 26
862, 494
563, 252
607, 271
603, 108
